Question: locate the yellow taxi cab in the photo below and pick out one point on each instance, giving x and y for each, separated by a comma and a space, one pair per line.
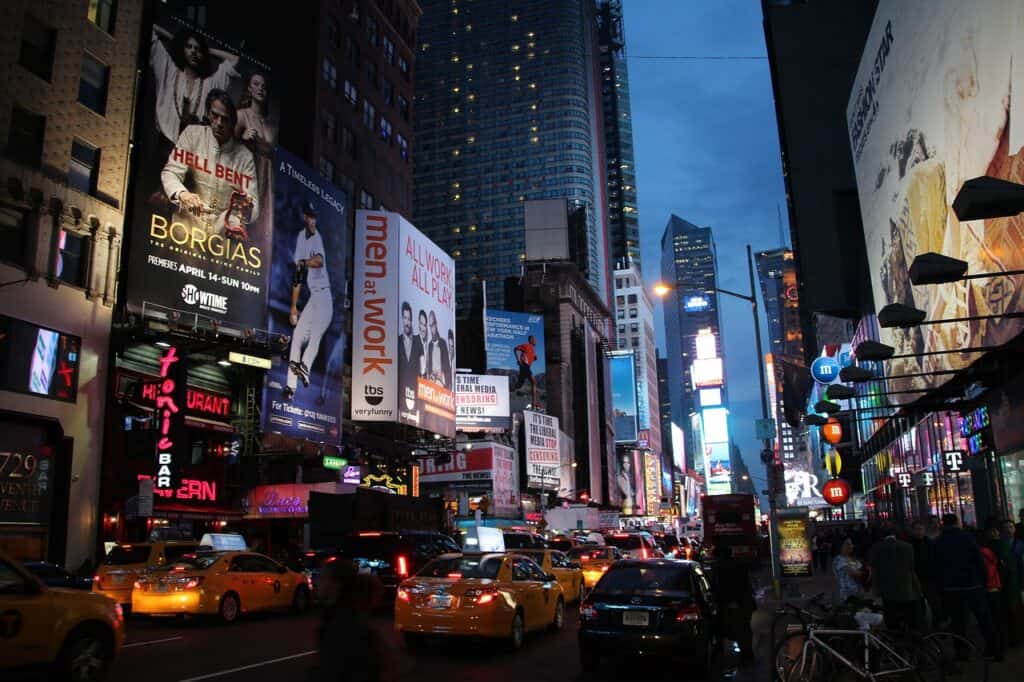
125, 563
67, 634
568, 572
594, 560
222, 584
500, 596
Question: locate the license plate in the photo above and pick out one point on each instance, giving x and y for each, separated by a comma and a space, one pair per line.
641, 618
440, 601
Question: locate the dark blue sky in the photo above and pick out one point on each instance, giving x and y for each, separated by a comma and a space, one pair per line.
707, 149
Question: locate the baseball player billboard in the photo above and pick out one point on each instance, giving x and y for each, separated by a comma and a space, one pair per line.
515, 348
403, 329
303, 397
201, 226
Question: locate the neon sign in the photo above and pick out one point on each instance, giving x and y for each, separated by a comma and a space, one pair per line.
197, 401
171, 392
188, 490
274, 503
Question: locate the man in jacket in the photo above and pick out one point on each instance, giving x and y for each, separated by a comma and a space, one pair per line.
892, 566
735, 597
962, 577
927, 572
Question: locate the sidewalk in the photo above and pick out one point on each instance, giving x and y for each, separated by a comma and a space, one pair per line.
798, 590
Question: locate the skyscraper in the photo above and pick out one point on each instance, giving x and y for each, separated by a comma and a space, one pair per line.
507, 109
777, 272
623, 217
689, 267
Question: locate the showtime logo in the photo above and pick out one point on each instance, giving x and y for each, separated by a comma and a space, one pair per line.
192, 295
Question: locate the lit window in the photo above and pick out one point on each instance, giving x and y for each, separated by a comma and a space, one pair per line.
389, 50
385, 130
73, 259
330, 73
84, 168
369, 114
351, 93
92, 84
103, 13
403, 146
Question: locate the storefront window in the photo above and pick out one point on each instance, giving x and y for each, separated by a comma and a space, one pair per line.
1013, 480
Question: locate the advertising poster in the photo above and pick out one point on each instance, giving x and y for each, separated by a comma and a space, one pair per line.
505, 481
652, 482
938, 100
542, 451
481, 403
623, 378
27, 468
719, 469
794, 542
515, 348
403, 356
304, 396
631, 482
201, 229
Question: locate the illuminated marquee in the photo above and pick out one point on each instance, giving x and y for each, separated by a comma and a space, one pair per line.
170, 399
198, 402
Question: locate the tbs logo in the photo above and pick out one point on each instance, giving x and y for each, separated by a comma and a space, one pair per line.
373, 394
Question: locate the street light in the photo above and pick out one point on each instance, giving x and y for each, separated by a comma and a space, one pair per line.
661, 290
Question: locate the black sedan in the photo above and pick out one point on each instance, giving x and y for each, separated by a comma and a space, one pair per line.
655, 608
54, 575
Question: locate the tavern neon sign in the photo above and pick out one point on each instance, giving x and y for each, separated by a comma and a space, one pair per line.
189, 489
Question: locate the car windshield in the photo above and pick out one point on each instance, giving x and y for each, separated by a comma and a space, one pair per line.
123, 555
589, 553
623, 541
463, 567
311, 560
635, 579
202, 561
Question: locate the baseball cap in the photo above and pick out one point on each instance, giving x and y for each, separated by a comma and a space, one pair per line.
309, 209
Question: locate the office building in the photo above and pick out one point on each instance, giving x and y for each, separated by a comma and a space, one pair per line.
634, 320
665, 412
689, 268
68, 87
620, 169
507, 110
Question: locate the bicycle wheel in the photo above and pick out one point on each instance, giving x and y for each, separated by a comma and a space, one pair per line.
898, 648
797, 660
785, 623
960, 657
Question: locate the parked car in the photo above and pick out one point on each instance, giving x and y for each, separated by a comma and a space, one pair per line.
55, 575
655, 608
312, 564
125, 563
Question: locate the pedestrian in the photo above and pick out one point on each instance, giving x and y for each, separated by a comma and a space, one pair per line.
1011, 552
927, 575
849, 573
962, 577
736, 596
988, 542
895, 579
350, 648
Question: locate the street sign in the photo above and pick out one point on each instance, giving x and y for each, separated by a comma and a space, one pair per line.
332, 462
765, 429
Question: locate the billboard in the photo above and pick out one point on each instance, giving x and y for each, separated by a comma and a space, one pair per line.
481, 403
403, 329
707, 373
794, 542
716, 425
303, 394
678, 447
718, 467
623, 380
939, 99
631, 482
504, 481
201, 228
652, 483
543, 454
515, 348
38, 360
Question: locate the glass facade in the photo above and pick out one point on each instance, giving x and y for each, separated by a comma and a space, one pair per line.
507, 115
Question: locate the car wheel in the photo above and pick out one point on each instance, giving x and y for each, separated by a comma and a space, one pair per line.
559, 619
300, 602
86, 655
230, 607
589, 660
515, 638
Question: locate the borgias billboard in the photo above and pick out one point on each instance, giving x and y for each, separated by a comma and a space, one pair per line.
403, 329
201, 227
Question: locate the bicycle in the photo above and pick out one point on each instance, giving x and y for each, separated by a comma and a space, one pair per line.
824, 653
791, 617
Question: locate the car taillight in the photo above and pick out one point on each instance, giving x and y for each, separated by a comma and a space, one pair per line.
604, 568
403, 595
486, 598
193, 583
643, 552
137, 584
584, 558
403, 566
688, 614
588, 612
330, 559
96, 579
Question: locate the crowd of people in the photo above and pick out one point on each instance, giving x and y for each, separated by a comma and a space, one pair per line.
934, 574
